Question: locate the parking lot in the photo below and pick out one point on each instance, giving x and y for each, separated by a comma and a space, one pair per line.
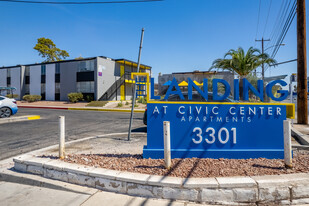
21, 137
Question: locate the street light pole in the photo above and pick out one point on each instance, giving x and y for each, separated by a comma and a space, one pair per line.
134, 90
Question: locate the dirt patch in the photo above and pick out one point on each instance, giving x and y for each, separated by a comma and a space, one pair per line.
52, 103
193, 167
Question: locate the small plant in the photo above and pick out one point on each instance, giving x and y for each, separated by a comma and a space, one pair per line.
75, 97
127, 103
135, 105
14, 96
32, 98
89, 98
120, 104
140, 100
144, 100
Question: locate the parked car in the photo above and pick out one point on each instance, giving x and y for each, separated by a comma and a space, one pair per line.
8, 107
195, 98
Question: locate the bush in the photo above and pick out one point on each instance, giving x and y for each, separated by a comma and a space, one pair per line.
14, 96
142, 100
120, 104
75, 97
32, 98
127, 103
89, 98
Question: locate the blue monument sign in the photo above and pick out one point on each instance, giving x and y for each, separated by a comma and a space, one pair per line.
216, 130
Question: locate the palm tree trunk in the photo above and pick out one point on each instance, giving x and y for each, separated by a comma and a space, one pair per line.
241, 87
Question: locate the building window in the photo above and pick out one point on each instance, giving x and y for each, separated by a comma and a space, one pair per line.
57, 68
8, 73
57, 73
57, 88
43, 74
27, 89
27, 75
43, 88
86, 66
8, 77
27, 71
43, 69
85, 87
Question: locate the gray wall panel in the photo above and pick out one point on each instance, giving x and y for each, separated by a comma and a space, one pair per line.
50, 82
3, 82
107, 79
67, 79
15, 80
35, 80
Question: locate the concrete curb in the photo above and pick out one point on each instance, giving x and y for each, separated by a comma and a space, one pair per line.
301, 147
302, 138
84, 108
19, 119
275, 189
279, 189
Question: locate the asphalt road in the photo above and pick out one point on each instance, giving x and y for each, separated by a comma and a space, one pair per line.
20, 137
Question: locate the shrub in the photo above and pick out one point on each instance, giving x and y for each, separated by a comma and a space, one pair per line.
142, 100
89, 98
75, 97
32, 98
14, 96
120, 104
127, 103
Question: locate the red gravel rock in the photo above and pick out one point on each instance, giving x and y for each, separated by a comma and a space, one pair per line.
193, 167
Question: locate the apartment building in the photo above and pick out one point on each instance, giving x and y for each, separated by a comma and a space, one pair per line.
98, 78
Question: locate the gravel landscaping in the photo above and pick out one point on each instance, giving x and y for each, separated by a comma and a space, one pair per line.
193, 167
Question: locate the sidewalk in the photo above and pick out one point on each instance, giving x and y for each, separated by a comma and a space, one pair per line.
23, 189
109, 107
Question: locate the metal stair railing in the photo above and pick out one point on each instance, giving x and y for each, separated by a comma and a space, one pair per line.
113, 89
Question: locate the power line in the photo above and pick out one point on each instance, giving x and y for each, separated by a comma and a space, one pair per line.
285, 29
86, 2
267, 17
288, 13
258, 22
277, 21
280, 24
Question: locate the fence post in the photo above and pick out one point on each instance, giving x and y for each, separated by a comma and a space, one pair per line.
61, 136
287, 144
167, 144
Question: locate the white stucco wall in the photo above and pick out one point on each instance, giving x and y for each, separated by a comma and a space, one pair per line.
50, 82
35, 80
15, 80
3, 82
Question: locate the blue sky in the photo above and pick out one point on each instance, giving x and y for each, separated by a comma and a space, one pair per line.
180, 35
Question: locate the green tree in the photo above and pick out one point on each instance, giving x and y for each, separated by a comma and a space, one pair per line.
47, 49
242, 63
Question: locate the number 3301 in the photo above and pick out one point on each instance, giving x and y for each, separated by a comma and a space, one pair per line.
211, 137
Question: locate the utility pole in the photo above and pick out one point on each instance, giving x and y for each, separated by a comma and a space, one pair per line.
262, 40
302, 103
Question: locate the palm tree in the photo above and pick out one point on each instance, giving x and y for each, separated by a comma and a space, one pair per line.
241, 63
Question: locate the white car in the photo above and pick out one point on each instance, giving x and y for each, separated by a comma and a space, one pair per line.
8, 107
